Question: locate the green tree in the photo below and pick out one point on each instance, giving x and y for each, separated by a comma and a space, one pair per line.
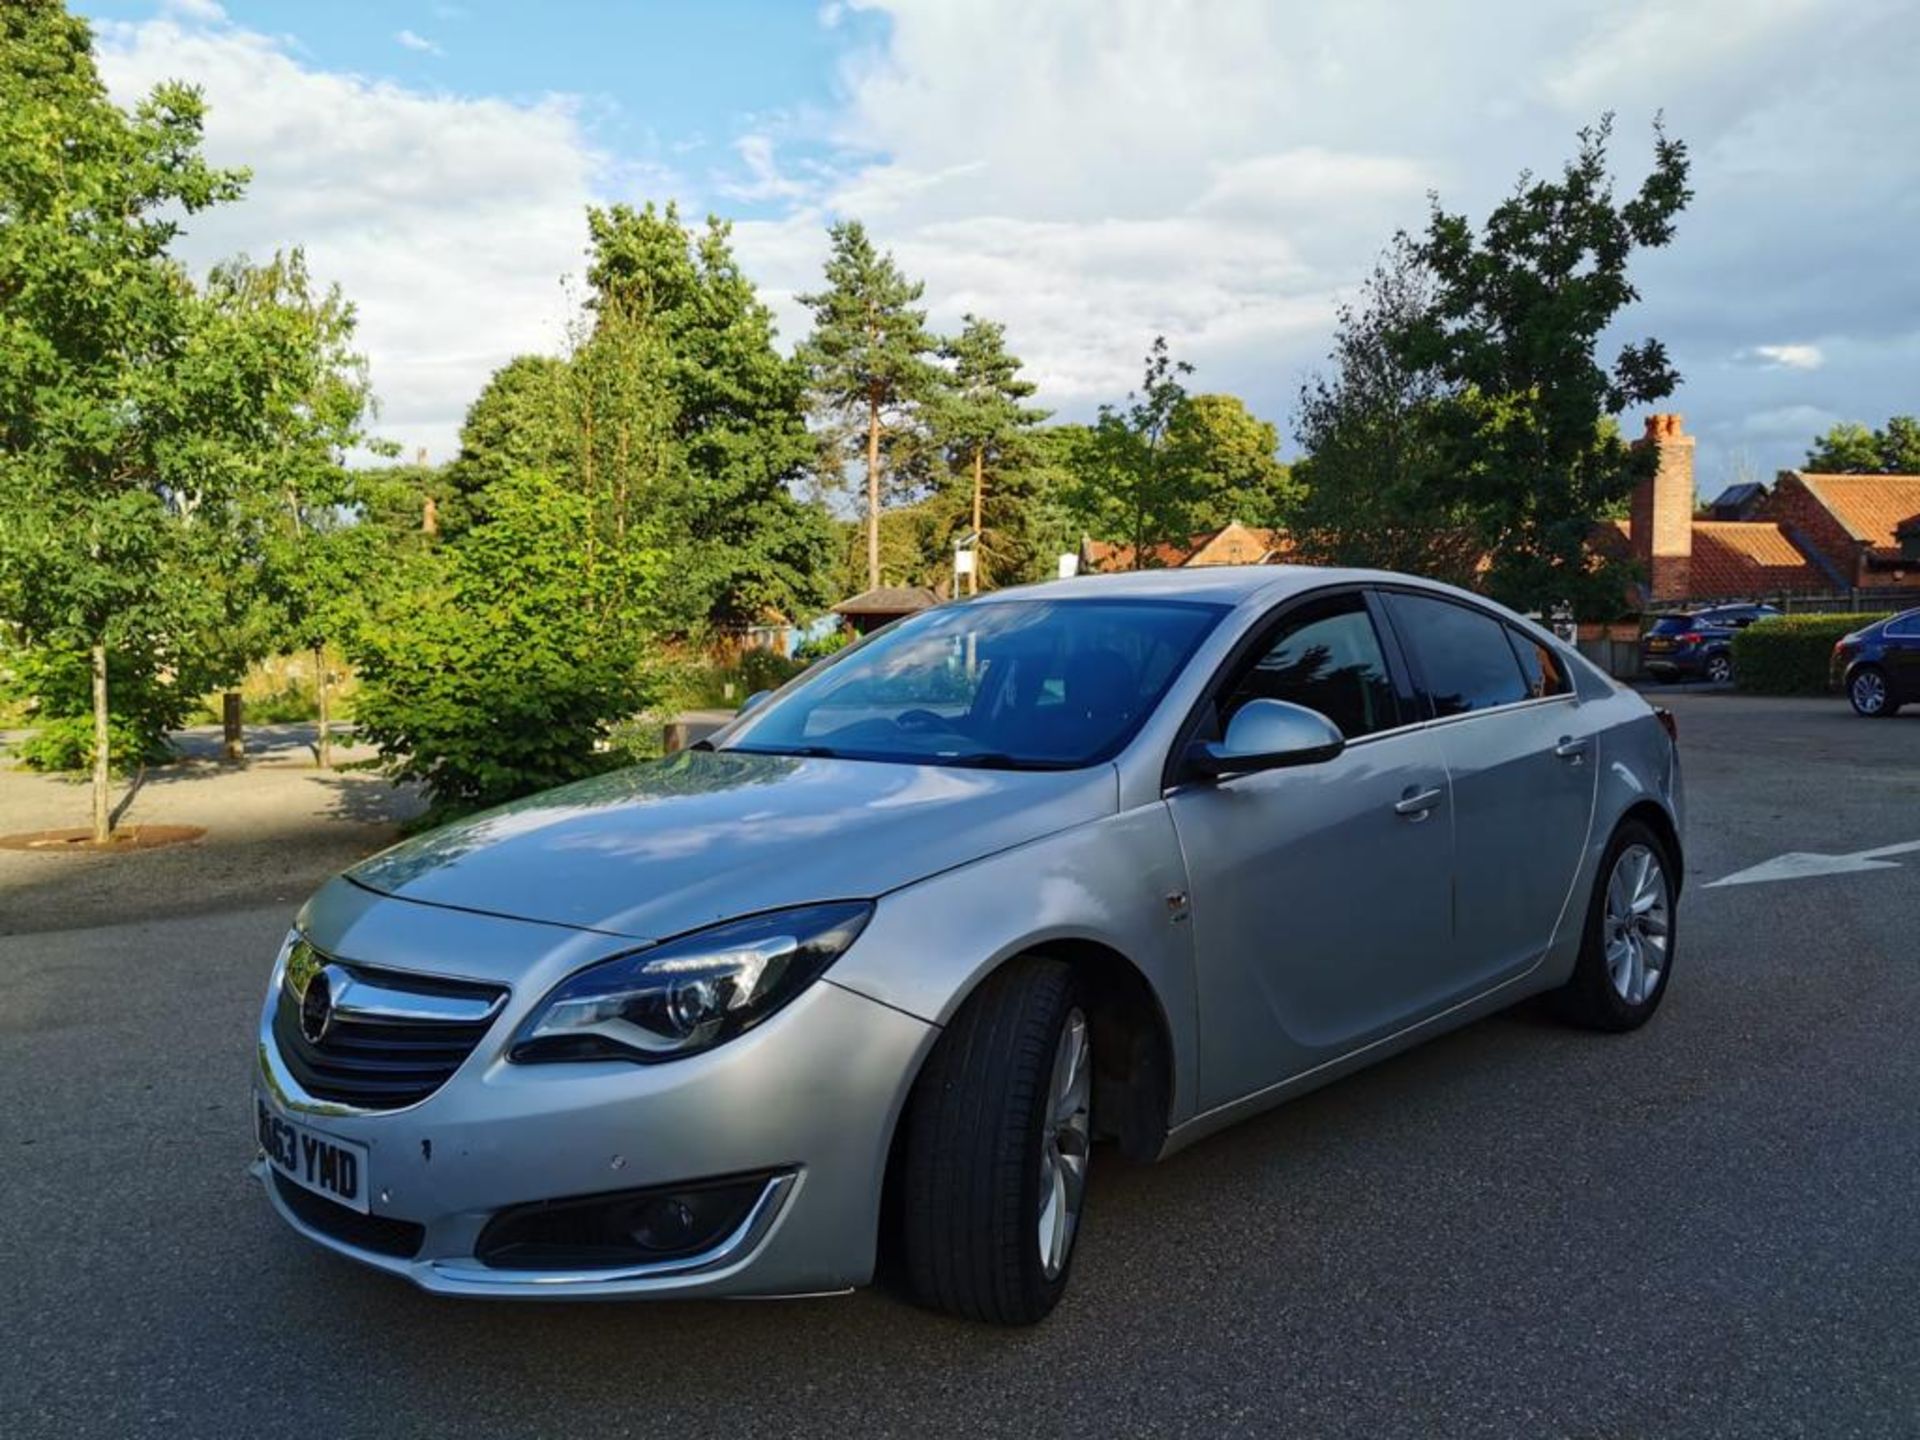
94, 476
1237, 454
512, 425
1378, 489
1131, 479
284, 561
501, 668
750, 545
1517, 315
986, 432
1850, 448
868, 360
510, 649
1055, 524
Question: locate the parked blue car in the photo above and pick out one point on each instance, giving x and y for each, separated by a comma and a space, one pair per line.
1698, 644
1879, 666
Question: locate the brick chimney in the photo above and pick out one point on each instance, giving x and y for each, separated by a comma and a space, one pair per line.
1662, 511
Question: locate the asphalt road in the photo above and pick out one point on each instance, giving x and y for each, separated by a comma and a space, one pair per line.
1711, 1227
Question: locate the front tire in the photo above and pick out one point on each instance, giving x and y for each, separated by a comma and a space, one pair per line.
995, 1168
1626, 955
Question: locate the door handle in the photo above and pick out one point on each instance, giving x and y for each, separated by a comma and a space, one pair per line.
1571, 749
1415, 804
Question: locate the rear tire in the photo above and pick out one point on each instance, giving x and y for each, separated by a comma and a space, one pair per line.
1719, 669
996, 1135
1869, 693
1627, 951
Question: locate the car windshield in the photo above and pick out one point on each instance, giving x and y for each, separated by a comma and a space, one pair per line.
1009, 684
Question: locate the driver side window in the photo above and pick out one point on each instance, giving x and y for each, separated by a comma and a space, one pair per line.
1326, 656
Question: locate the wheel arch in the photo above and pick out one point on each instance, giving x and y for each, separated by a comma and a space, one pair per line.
1133, 1061
1654, 816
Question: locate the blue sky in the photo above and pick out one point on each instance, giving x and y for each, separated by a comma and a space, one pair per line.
1089, 172
660, 83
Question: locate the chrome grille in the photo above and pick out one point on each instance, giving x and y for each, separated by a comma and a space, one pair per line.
388, 1039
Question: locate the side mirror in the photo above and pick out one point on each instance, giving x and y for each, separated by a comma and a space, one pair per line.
1268, 735
754, 701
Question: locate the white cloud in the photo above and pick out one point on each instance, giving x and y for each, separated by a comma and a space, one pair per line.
764, 179
419, 44
1791, 357
1094, 172
447, 221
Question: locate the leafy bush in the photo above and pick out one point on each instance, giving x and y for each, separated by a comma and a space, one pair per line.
504, 665
1791, 655
765, 670
831, 643
59, 686
700, 684
66, 743
284, 707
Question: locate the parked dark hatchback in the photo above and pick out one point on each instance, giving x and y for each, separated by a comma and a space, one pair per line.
1879, 667
1699, 642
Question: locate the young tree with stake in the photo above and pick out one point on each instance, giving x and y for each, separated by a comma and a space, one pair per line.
93, 320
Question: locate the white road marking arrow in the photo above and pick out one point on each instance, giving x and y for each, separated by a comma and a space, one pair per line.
1804, 865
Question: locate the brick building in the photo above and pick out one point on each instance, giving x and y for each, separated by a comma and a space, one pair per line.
1812, 534
1809, 535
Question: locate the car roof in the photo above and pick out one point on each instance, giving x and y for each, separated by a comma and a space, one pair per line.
1220, 584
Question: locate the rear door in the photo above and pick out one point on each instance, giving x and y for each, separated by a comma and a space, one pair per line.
1522, 766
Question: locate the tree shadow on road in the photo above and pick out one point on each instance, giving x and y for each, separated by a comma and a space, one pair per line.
366, 799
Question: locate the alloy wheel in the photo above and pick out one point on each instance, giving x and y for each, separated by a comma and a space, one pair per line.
1869, 692
1719, 669
1065, 1140
1638, 921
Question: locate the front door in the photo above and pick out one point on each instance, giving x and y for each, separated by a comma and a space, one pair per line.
1319, 894
1523, 768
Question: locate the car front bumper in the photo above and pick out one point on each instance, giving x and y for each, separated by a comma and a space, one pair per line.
809, 1098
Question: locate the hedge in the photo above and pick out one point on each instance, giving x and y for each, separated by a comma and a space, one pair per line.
1791, 655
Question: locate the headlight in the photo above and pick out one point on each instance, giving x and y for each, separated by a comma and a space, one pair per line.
689, 994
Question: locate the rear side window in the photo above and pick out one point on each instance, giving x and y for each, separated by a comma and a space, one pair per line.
1540, 668
1463, 656
1673, 625
1903, 627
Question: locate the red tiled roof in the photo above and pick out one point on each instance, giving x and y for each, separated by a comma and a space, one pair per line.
1731, 558
1869, 507
1747, 557
1232, 544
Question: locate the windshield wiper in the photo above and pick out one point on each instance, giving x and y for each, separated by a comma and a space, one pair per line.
809, 752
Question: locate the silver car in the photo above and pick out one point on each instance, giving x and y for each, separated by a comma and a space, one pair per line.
1113, 859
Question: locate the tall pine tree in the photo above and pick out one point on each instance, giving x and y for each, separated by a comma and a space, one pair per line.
986, 431
868, 358
752, 546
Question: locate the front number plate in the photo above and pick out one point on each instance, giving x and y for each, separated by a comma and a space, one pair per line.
324, 1164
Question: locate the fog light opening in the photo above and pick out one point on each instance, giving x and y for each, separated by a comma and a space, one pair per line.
624, 1228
